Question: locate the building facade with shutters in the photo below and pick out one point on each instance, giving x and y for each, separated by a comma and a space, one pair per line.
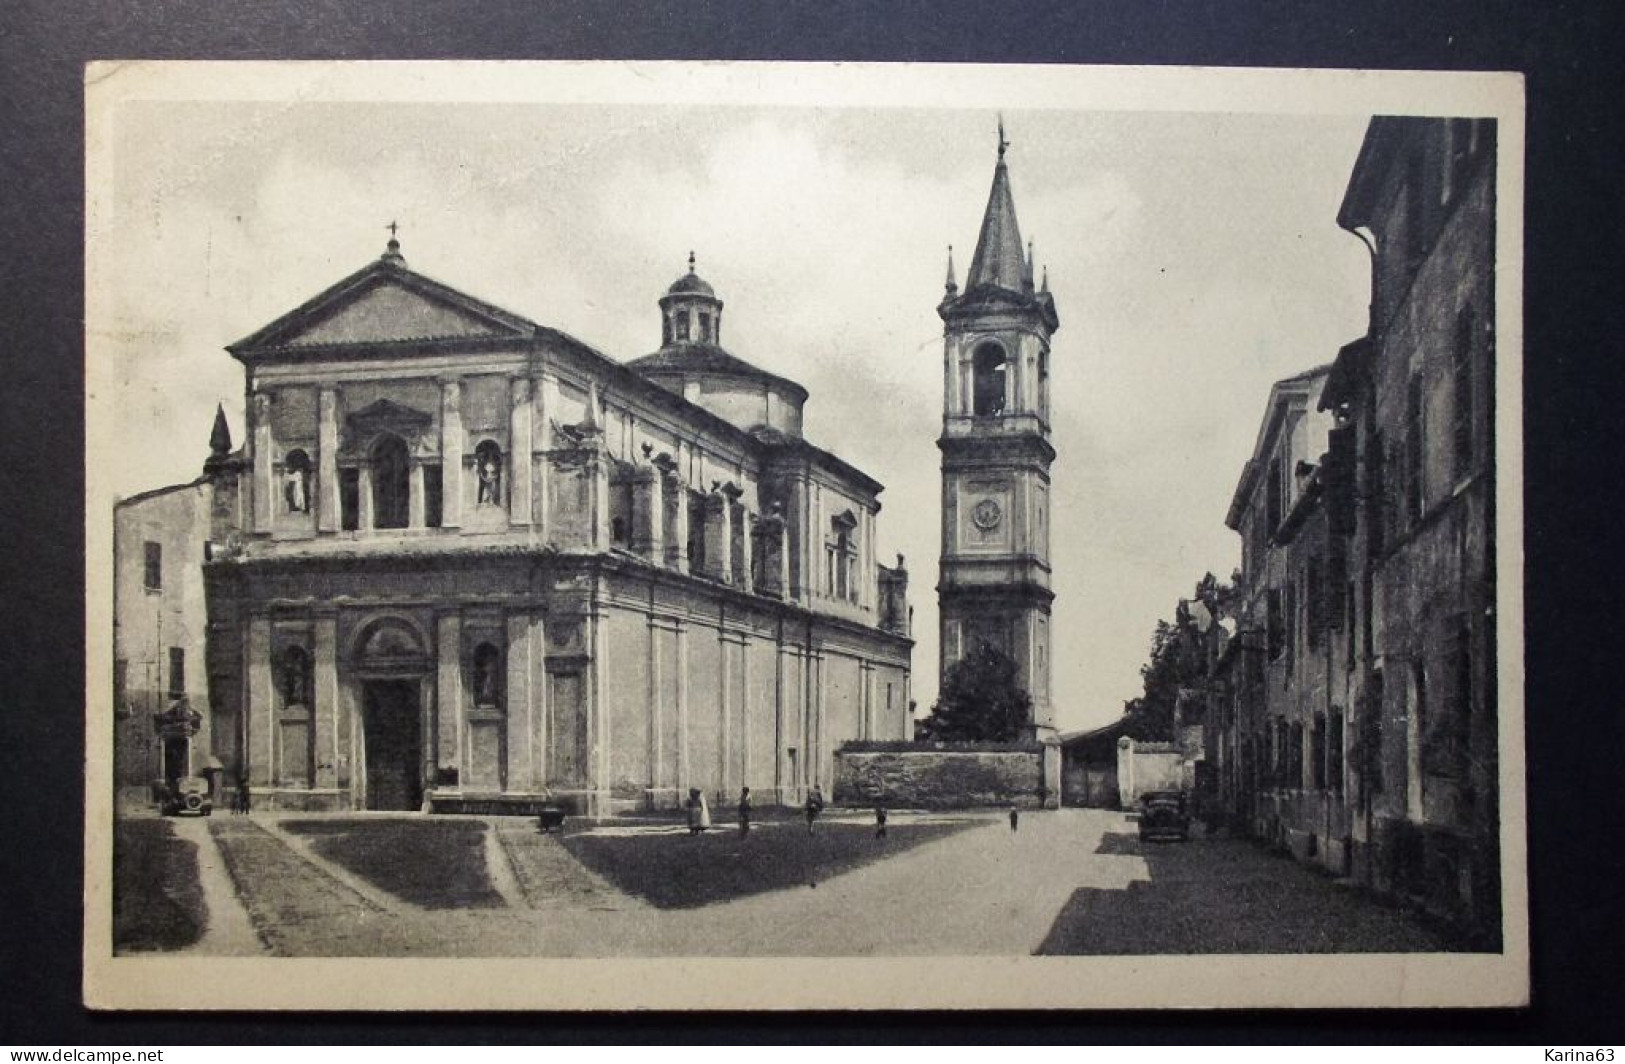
1405, 493
463, 561
161, 727
1280, 721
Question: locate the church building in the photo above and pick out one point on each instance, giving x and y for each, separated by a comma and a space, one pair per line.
994, 585
465, 562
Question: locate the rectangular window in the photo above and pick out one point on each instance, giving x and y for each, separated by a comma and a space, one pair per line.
152, 576
1377, 493
1462, 398
1446, 729
121, 681
1274, 624
1415, 451
1293, 621
1350, 629
434, 496
1317, 753
349, 499
1272, 498
1370, 764
1314, 596
177, 672
1334, 751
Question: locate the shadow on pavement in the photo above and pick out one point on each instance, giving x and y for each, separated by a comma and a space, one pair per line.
436, 864
1213, 895
679, 871
157, 896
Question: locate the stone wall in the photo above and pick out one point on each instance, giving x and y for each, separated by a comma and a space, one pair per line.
1143, 767
940, 775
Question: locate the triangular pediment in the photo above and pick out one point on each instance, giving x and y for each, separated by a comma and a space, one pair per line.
385, 305
389, 414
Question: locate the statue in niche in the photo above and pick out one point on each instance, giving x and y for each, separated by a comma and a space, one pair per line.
295, 678
295, 490
485, 677
488, 465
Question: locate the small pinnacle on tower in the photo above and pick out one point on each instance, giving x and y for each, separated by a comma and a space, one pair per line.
220, 437
691, 262
951, 285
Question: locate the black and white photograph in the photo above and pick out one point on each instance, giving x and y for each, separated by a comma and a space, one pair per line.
764, 535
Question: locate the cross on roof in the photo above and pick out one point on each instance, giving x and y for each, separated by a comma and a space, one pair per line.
392, 227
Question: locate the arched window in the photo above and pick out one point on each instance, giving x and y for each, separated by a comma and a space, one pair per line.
296, 482
705, 327
391, 487
987, 380
488, 472
295, 677
487, 676
682, 326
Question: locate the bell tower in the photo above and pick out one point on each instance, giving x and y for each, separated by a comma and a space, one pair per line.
994, 585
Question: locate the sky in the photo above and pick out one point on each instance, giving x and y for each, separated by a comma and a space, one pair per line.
1194, 259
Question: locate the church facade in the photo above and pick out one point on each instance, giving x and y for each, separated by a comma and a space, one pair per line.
994, 584
466, 562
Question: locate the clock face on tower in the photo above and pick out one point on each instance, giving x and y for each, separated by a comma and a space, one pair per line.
986, 515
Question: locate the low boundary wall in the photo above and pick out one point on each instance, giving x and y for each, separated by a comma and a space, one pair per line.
926, 775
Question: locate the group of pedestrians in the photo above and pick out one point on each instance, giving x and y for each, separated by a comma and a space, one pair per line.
242, 802
699, 810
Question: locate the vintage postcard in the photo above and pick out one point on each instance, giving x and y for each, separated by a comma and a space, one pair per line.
773, 536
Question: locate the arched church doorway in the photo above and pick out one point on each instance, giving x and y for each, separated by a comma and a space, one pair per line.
391, 482
390, 666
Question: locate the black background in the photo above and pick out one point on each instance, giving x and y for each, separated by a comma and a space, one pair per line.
1574, 299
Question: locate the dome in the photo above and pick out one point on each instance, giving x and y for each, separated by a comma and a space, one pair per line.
690, 284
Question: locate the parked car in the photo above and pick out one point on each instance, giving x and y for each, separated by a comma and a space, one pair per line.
188, 796
1164, 815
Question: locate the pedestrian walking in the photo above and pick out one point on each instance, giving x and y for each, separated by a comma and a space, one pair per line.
744, 810
1015, 818
815, 805
880, 821
696, 806
245, 804
705, 813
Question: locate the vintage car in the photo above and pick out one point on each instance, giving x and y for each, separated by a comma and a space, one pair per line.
188, 796
1164, 815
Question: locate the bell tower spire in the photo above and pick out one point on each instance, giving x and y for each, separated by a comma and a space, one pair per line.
994, 586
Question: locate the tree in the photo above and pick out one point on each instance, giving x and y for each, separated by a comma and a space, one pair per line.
1180, 653
981, 700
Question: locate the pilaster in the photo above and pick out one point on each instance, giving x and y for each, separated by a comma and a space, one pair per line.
415, 500
260, 712
521, 450
327, 450
525, 679
449, 694
364, 498
451, 453
264, 476
326, 710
